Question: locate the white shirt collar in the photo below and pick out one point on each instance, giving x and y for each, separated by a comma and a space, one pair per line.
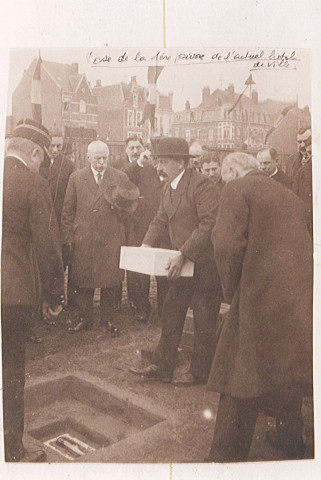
96, 173
18, 158
275, 172
176, 180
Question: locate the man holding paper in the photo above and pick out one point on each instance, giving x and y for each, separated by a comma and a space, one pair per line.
188, 210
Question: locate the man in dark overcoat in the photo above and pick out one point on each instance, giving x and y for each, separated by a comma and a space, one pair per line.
26, 223
92, 232
294, 162
268, 158
143, 174
302, 183
188, 210
263, 252
56, 169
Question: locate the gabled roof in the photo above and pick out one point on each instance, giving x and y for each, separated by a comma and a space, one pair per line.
127, 87
111, 97
63, 74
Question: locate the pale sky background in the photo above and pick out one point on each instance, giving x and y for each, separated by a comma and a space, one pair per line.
186, 81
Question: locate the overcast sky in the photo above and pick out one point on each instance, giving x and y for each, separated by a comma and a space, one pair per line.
186, 81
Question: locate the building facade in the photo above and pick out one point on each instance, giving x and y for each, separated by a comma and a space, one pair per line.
121, 111
67, 102
216, 124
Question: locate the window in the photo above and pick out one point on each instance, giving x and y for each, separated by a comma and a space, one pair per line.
210, 135
199, 133
138, 118
82, 106
131, 134
176, 132
135, 99
187, 134
226, 132
130, 118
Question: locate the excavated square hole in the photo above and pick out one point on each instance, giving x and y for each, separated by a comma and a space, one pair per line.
73, 417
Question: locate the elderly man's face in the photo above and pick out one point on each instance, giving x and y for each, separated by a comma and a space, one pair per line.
134, 149
267, 164
212, 170
98, 157
304, 140
169, 168
55, 147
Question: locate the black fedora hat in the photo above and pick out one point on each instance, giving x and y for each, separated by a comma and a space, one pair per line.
170, 147
123, 197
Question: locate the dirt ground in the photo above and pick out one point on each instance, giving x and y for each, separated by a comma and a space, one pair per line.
109, 359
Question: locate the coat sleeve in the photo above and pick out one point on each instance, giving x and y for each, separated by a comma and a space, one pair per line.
206, 198
132, 170
158, 227
69, 211
46, 241
230, 236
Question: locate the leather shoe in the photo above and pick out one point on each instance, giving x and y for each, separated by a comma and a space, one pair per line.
187, 380
81, 325
33, 457
293, 451
147, 355
35, 339
151, 372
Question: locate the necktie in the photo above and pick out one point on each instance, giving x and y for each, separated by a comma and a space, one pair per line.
99, 178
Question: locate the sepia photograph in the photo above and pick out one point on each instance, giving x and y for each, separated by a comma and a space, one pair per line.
157, 256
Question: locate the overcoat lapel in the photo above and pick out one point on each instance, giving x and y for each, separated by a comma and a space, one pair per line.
107, 181
90, 181
173, 197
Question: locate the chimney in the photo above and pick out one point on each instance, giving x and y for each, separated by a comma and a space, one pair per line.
206, 93
170, 95
74, 68
306, 109
231, 89
98, 83
133, 79
187, 105
255, 97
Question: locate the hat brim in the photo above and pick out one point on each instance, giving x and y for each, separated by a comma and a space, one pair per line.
109, 196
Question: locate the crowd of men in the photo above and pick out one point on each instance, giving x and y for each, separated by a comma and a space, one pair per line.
244, 222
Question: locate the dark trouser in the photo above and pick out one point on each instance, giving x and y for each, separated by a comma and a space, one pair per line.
15, 328
206, 307
205, 311
236, 419
84, 301
138, 291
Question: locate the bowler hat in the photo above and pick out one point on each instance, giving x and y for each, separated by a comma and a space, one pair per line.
170, 147
34, 131
123, 197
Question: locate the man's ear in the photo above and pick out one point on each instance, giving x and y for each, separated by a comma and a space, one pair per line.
36, 158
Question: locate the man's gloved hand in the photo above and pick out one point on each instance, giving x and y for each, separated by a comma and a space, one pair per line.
67, 252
